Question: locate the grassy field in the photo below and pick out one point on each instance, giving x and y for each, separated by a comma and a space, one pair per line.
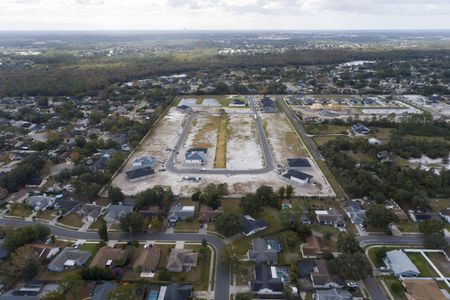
48, 214
440, 261
220, 160
319, 129
224, 100
421, 263
72, 219
392, 280
409, 226
212, 125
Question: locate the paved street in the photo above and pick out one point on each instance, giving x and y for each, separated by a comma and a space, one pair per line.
375, 290
222, 280
268, 165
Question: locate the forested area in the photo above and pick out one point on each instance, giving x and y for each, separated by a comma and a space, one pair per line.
68, 76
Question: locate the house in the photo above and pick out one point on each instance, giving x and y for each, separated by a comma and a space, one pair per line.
179, 212
330, 217
65, 206
144, 161
175, 291
196, 156
146, 260
18, 197
383, 156
445, 214
333, 294
266, 283
30, 290
208, 214
312, 248
181, 260
360, 129
374, 141
238, 103
251, 226
102, 163
321, 277
69, 258
268, 105
40, 203
90, 212
264, 251
355, 212
115, 212
392, 205
423, 289
139, 174
422, 215
107, 257
102, 290
298, 177
294, 163
400, 264
184, 108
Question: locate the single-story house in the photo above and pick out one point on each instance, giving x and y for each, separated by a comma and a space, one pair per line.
102, 163
102, 290
298, 163
107, 256
360, 129
321, 277
175, 291
40, 203
264, 251
421, 216
208, 214
115, 212
312, 248
65, 206
333, 294
355, 212
268, 105
144, 161
400, 264
423, 289
330, 217
196, 156
374, 141
69, 258
238, 103
139, 174
146, 260
383, 156
181, 260
265, 283
179, 212
91, 212
298, 177
251, 226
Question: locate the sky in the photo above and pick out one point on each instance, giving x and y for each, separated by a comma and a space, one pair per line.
223, 14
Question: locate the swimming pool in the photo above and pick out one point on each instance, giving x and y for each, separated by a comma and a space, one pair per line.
153, 295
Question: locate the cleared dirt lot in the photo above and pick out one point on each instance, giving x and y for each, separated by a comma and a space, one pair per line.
243, 148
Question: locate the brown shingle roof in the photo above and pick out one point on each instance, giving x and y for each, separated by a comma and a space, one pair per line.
106, 253
147, 259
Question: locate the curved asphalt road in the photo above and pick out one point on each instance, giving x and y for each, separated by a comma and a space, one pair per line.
268, 166
222, 280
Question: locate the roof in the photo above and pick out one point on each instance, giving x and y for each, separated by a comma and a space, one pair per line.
297, 174
266, 102
400, 262
333, 294
145, 161
263, 280
103, 290
196, 154
115, 212
40, 201
424, 289
248, 224
66, 204
147, 258
139, 172
106, 253
178, 258
358, 127
80, 257
264, 251
298, 163
178, 291
321, 274
206, 213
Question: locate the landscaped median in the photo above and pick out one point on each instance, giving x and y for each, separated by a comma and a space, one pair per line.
220, 160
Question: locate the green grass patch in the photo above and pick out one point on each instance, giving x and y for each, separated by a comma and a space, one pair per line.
409, 226
440, 261
21, 210
220, 160
72, 219
393, 285
48, 214
187, 226
421, 263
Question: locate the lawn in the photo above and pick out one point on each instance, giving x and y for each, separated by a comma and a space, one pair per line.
72, 219
187, 226
319, 129
244, 273
421, 263
95, 225
392, 280
199, 275
220, 160
48, 214
322, 140
409, 226
440, 261
20, 210
231, 206
91, 247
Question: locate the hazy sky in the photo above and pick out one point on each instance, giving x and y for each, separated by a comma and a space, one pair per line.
223, 14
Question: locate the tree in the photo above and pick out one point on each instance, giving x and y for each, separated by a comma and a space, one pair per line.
164, 275
431, 226
347, 243
115, 195
293, 273
289, 191
41, 231
103, 230
327, 235
380, 217
30, 269
303, 231
156, 224
96, 273
196, 196
250, 204
435, 240
242, 296
281, 192
351, 266
133, 221
231, 256
266, 196
24, 235
228, 224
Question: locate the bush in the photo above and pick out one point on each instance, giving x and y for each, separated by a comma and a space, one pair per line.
396, 287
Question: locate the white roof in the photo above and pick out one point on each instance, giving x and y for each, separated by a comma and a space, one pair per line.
400, 262
188, 208
69, 263
321, 212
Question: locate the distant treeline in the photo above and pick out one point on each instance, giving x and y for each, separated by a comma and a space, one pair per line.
67, 75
